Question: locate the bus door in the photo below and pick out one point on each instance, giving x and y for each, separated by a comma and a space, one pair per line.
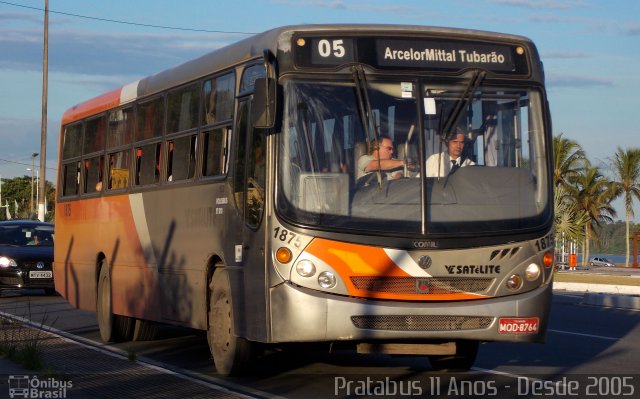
250, 194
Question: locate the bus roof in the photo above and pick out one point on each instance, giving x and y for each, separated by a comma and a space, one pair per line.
252, 48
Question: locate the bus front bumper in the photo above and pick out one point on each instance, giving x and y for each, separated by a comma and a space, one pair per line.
302, 315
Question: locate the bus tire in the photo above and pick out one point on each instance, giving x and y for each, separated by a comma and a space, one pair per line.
231, 354
466, 352
144, 330
112, 327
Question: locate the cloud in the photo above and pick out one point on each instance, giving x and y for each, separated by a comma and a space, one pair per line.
633, 29
551, 19
544, 4
557, 80
20, 138
120, 53
565, 54
342, 5
20, 17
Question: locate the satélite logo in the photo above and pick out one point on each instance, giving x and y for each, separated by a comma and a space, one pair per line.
24, 386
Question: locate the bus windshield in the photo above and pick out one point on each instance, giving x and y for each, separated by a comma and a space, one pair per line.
331, 172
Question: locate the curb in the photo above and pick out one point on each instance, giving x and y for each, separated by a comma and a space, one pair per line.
598, 288
612, 301
606, 295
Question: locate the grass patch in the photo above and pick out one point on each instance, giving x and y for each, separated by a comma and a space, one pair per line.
577, 277
15, 346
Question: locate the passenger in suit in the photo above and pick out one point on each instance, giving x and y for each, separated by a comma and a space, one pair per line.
440, 165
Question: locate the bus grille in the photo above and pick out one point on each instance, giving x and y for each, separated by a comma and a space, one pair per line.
421, 322
425, 286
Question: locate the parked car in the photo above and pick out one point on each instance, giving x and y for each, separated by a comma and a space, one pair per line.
601, 262
26, 255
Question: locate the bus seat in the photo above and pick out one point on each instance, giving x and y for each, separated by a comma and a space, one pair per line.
359, 149
325, 193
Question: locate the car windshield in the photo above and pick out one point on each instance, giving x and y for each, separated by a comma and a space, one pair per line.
327, 177
26, 235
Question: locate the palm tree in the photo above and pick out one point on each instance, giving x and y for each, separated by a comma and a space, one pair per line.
626, 168
569, 219
593, 194
569, 160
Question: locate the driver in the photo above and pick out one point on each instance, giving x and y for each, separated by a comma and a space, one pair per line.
380, 157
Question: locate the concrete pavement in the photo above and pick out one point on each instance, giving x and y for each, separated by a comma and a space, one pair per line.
76, 370
89, 370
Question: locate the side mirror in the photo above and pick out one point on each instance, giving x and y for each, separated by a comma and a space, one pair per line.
263, 110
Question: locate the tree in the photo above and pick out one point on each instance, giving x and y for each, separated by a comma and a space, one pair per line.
626, 169
569, 161
569, 219
593, 193
17, 191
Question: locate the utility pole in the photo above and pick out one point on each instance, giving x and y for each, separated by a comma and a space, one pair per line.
33, 163
42, 183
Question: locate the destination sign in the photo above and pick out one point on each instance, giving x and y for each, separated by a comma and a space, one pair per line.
409, 53
438, 54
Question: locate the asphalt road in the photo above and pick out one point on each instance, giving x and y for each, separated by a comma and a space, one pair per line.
589, 350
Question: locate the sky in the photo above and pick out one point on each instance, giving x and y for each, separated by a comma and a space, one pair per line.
590, 50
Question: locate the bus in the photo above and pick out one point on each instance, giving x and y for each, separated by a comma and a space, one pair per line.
224, 195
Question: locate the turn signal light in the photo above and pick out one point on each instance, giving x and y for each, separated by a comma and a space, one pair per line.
547, 259
283, 255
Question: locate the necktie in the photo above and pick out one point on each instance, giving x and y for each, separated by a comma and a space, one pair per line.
454, 166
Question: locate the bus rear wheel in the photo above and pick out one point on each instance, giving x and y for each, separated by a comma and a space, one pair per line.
466, 352
231, 354
112, 327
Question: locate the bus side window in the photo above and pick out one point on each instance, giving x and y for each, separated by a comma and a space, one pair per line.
215, 152
181, 158
148, 164
118, 170
218, 99
71, 178
93, 174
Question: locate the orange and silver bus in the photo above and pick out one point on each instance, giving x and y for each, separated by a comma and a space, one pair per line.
225, 195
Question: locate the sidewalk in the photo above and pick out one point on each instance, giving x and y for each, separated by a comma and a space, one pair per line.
608, 295
75, 370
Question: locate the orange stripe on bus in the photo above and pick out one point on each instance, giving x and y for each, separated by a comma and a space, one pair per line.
362, 260
91, 107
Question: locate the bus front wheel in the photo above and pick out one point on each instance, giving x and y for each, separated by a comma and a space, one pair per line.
231, 354
466, 352
112, 327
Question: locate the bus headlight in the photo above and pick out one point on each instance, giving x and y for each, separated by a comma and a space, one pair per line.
514, 282
306, 268
532, 272
327, 280
6, 262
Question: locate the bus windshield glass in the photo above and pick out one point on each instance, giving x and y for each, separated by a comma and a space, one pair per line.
385, 164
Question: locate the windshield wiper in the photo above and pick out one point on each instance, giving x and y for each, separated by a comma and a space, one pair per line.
366, 114
454, 116
463, 103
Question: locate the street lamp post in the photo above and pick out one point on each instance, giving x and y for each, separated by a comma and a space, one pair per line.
33, 164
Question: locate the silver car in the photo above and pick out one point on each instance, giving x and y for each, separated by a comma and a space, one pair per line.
601, 262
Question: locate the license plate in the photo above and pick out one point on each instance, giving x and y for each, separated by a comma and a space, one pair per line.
514, 325
40, 274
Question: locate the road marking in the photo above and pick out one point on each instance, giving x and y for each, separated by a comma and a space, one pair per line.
201, 379
584, 335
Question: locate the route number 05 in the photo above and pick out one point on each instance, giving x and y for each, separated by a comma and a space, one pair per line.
328, 48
